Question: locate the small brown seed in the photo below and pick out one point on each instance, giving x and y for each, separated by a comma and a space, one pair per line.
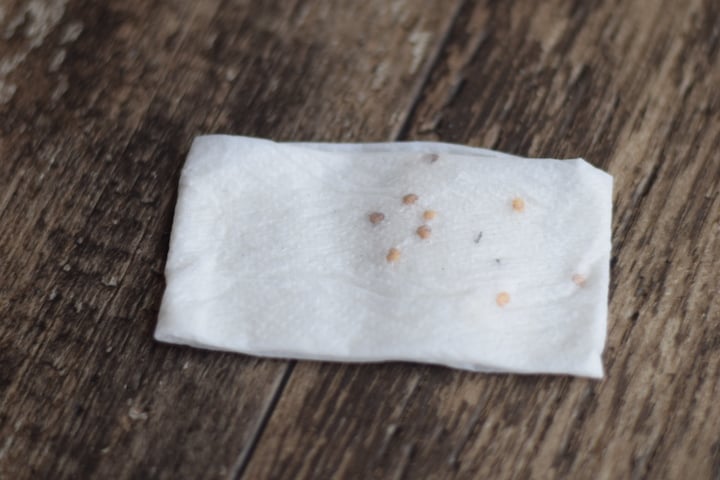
429, 214
578, 280
518, 204
393, 255
410, 198
424, 232
376, 217
502, 299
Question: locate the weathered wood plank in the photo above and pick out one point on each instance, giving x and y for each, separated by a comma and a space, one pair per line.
632, 87
98, 104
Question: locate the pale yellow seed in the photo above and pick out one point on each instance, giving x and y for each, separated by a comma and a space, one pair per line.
376, 217
502, 299
410, 198
393, 255
518, 204
424, 232
578, 280
429, 214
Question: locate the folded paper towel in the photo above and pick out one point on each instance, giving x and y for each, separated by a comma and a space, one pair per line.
417, 251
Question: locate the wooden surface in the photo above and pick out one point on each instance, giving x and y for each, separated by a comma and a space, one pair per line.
98, 104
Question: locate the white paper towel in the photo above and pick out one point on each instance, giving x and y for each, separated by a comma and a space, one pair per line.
417, 251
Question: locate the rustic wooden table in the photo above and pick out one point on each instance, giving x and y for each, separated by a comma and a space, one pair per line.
99, 101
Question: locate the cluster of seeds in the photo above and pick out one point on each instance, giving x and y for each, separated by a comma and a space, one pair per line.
424, 231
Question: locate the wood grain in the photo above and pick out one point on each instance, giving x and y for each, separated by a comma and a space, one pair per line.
98, 104
632, 87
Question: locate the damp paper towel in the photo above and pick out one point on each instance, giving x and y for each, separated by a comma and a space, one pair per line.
418, 251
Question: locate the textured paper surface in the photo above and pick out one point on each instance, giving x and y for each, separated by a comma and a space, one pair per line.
273, 253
